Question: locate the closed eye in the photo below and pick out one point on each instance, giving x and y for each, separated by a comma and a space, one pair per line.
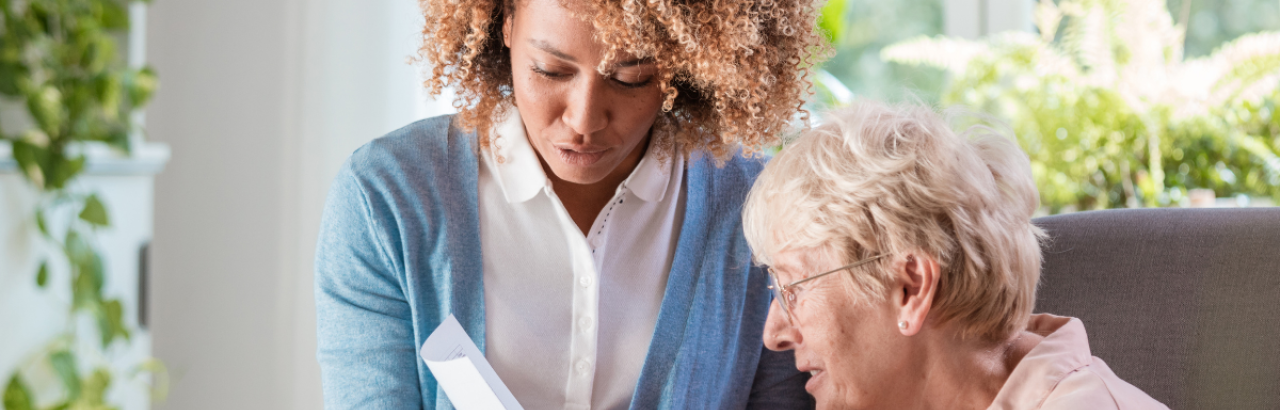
634, 74
547, 74
560, 76
633, 84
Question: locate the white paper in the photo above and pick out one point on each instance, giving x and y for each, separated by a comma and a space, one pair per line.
462, 371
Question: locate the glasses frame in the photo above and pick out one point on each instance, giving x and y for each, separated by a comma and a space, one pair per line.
786, 297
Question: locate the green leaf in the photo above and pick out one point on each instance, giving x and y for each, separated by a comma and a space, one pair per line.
40, 223
111, 322
118, 138
17, 396
159, 377
142, 84
46, 107
87, 270
42, 275
832, 21
63, 169
109, 91
11, 75
95, 386
94, 212
100, 54
32, 160
114, 16
60, 406
64, 364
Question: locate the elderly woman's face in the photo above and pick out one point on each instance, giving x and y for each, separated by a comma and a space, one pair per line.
585, 126
853, 348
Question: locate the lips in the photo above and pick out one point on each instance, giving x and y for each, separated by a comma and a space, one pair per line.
815, 380
816, 377
580, 156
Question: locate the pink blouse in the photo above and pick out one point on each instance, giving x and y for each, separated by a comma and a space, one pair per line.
1061, 373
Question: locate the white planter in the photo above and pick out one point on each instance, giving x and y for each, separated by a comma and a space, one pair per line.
30, 316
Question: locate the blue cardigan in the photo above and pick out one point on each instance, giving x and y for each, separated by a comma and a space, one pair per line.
399, 250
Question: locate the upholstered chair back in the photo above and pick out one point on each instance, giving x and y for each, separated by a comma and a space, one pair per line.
1182, 303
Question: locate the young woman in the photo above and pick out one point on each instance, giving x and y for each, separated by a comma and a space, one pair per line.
580, 216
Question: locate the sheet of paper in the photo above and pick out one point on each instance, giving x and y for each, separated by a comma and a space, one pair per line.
462, 371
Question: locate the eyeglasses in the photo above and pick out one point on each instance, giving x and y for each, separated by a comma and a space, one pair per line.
786, 294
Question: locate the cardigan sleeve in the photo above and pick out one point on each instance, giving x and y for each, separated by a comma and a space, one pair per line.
365, 333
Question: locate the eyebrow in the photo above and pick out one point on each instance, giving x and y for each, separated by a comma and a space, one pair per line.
550, 49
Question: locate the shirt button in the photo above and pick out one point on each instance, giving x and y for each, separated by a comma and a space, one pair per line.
585, 323
585, 281
582, 366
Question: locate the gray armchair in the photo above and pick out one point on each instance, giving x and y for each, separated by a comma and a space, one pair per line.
1182, 303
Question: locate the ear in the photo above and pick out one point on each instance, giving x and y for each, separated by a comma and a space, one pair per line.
507, 21
916, 286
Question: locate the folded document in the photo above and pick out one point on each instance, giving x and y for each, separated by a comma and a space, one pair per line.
462, 371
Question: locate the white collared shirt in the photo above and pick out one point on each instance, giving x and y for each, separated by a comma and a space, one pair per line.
568, 317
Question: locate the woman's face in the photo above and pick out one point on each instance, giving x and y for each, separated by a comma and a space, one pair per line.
585, 126
858, 358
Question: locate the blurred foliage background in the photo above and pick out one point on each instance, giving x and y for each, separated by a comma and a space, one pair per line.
1118, 103
64, 83
859, 29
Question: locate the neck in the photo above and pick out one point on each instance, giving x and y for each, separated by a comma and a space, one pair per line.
968, 374
584, 202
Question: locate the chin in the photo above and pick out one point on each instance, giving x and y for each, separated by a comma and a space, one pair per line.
579, 176
825, 403
831, 404
839, 400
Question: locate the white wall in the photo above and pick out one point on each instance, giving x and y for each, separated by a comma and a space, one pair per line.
260, 101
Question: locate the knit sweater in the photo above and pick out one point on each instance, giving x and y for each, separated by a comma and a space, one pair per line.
399, 251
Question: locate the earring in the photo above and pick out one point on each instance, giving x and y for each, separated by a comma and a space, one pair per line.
902, 325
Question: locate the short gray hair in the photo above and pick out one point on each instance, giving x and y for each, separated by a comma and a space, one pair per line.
880, 179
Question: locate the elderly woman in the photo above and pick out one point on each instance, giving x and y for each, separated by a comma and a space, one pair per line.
904, 267
578, 216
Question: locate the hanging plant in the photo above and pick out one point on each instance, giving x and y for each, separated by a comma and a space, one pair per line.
60, 59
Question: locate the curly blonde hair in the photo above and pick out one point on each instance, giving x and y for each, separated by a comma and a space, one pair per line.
731, 72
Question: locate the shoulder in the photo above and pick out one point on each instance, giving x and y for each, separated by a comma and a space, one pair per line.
1095, 387
413, 157
418, 143
414, 166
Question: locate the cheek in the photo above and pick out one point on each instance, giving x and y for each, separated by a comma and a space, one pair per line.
537, 104
859, 357
634, 114
530, 92
642, 105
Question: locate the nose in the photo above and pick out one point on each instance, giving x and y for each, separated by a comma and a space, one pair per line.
587, 111
779, 334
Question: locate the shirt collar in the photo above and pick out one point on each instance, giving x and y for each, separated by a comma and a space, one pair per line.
651, 177
520, 174
1064, 349
519, 171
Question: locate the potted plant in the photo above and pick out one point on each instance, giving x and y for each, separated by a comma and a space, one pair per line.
66, 91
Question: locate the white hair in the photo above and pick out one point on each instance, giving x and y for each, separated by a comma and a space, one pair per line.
879, 179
